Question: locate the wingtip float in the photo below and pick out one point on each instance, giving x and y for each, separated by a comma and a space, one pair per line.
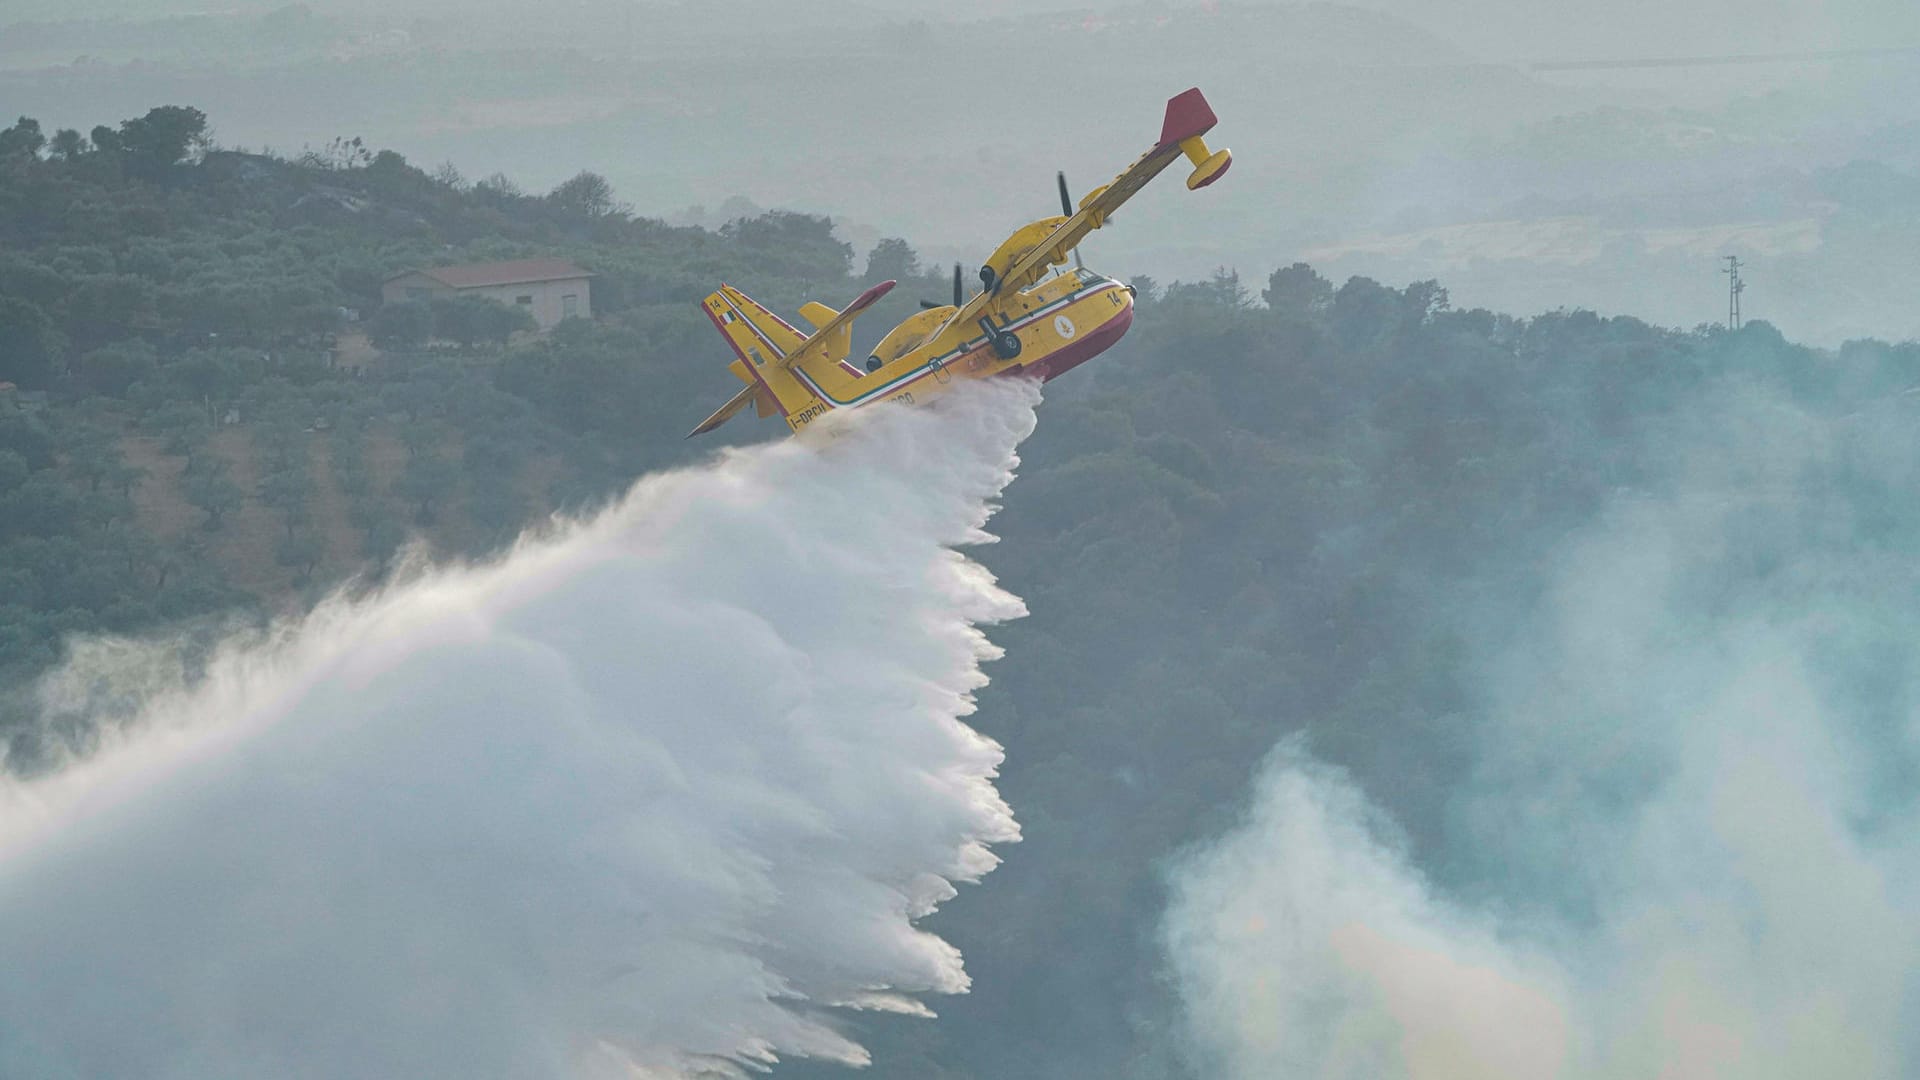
1022, 319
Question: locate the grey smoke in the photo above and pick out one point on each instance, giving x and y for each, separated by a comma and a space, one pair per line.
1687, 845
656, 792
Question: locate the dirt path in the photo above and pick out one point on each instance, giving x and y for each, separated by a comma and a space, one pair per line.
338, 537
247, 542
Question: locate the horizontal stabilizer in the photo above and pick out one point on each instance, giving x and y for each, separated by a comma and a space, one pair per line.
725, 412
835, 332
817, 314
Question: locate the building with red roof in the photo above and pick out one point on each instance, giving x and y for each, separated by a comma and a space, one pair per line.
550, 289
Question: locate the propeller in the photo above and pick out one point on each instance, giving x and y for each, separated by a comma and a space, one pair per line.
1066, 208
959, 297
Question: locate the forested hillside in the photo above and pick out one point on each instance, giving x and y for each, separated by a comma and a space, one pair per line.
1252, 521
1227, 529
190, 428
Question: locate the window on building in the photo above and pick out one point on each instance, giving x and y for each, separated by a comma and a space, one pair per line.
528, 300
569, 306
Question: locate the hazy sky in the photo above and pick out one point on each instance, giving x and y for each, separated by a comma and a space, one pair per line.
1557, 29
1397, 139
1496, 29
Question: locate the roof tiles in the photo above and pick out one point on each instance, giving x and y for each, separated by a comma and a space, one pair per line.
511, 272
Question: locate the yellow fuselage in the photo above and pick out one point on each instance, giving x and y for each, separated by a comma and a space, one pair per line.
1059, 322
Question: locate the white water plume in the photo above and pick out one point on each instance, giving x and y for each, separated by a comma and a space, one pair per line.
646, 797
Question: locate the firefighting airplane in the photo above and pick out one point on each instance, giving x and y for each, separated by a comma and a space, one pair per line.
1022, 320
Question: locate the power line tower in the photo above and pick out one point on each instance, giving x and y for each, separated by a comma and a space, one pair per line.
1734, 288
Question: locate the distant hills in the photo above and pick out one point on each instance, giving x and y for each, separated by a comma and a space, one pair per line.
1363, 137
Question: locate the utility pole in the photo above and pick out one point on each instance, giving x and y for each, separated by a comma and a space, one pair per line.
1734, 288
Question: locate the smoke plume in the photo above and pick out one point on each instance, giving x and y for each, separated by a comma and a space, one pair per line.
648, 796
1687, 843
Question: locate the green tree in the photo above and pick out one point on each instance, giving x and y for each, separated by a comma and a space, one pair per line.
588, 195
22, 140
471, 320
893, 259
495, 506
210, 490
113, 369
426, 482
1364, 312
1222, 290
407, 324
107, 307
1422, 301
206, 376
498, 189
182, 424
1297, 291
26, 434
283, 439
420, 436
297, 515
284, 489
67, 145
347, 460
167, 135
383, 537
124, 477
92, 457
302, 550
29, 345
339, 155
801, 246
13, 471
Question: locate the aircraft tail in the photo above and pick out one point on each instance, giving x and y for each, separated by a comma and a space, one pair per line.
760, 341
781, 366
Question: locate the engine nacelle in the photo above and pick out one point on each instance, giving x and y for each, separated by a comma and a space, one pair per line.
1024, 239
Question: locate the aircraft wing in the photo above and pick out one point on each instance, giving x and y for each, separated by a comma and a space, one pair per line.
836, 327
1188, 118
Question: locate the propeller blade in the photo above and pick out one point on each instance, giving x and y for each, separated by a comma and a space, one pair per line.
959, 298
1066, 207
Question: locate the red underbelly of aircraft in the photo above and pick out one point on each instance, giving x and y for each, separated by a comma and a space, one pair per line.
1091, 344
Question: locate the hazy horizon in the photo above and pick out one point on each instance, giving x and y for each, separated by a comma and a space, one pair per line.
1388, 139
